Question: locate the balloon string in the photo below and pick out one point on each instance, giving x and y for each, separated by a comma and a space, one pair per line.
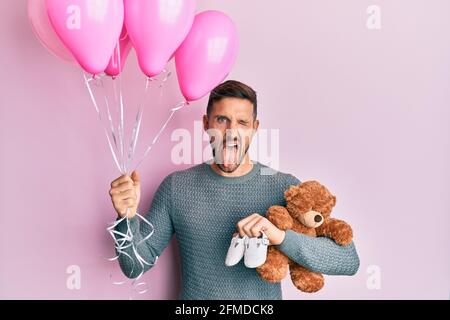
124, 241
120, 243
94, 102
122, 130
113, 133
179, 106
108, 111
118, 99
137, 125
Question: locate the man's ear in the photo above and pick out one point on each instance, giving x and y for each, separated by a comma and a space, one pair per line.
256, 125
205, 122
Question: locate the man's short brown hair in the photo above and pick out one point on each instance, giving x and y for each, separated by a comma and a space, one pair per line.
232, 89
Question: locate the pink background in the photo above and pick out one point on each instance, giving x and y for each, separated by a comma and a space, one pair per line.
364, 111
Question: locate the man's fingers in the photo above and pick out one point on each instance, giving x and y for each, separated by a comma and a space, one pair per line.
124, 186
120, 180
120, 189
124, 204
124, 194
248, 226
258, 227
242, 222
252, 225
127, 194
117, 197
136, 177
127, 203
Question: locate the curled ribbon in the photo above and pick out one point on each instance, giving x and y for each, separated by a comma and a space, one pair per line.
123, 241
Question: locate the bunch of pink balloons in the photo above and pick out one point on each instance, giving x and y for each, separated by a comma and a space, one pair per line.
99, 34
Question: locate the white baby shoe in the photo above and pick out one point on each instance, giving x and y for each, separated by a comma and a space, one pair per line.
236, 250
256, 251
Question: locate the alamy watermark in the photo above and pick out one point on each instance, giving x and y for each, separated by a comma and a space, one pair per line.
196, 146
373, 21
73, 281
373, 281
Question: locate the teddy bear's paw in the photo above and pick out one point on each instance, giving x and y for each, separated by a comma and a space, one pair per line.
280, 217
308, 281
283, 225
312, 287
272, 273
344, 235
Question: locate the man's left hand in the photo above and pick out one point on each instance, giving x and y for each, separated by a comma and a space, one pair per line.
255, 223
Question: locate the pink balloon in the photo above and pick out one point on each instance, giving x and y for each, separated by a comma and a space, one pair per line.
117, 61
88, 28
207, 55
157, 28
42, 28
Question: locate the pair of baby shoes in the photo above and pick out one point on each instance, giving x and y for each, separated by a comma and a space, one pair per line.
254, 251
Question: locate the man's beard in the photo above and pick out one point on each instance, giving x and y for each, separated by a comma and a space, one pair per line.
229, 167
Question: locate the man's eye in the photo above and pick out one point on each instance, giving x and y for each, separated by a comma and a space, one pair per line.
221, 119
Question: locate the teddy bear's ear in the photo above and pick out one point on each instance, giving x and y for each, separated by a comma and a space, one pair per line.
334, 201
291, 192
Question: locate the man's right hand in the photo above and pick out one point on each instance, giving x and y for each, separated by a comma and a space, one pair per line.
125, 194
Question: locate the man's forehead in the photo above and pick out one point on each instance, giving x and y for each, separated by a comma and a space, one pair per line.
233, 107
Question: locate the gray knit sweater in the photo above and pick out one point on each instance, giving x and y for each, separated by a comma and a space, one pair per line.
202, 208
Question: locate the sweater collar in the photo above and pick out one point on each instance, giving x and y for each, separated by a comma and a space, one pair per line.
231, 180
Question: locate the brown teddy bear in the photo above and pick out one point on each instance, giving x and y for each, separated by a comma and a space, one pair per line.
307, 211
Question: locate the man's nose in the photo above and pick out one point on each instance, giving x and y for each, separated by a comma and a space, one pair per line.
232, 125
231, 132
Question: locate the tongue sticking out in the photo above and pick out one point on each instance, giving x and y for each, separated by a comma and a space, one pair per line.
229, 156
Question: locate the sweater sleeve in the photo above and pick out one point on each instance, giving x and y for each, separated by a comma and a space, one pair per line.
159, 215
320, 254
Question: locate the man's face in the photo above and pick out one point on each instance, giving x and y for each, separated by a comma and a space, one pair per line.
231, 127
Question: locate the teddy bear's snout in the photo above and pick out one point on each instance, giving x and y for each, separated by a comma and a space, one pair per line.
312, 219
